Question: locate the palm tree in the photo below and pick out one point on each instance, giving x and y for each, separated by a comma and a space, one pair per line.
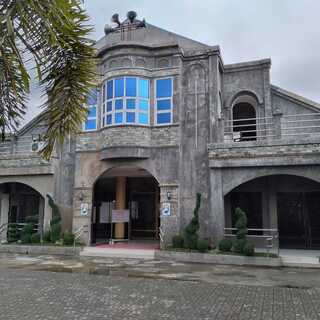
54, 35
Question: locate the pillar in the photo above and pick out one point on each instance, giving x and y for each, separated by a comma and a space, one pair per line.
41, 214
4, 215
120, 204
46, 215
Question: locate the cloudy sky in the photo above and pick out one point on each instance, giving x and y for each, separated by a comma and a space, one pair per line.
287, 31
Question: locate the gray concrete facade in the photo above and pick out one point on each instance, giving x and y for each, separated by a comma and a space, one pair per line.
196, 152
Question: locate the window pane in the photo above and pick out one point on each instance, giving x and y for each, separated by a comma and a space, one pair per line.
131, 117
143, 88
118, 117
131, 87
109, 106
163, 118
119, 104
109, 119
144, 105
90, 125
92, 97
119, 87
143, 118
110, 89
131, 103
164, 88
92, 112
164, 104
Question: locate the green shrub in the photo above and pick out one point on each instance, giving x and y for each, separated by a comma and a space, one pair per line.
248, 249
32, 219
55, 223
47, 236
225, 245
241, 223
68, 238
203, 245
26, 233
192, 229
25, 238
35, 238
177, 241
12, 233
238, 245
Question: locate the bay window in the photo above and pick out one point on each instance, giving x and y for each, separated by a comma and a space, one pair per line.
126, 100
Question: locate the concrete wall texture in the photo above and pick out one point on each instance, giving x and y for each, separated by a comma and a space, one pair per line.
189, 155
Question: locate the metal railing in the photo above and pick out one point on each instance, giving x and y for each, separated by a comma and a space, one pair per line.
249, 129
268, 238
272, 128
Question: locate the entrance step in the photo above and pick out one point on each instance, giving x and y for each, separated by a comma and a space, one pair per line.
300, 258
118, 253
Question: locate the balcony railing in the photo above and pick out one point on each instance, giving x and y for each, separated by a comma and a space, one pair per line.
272, 128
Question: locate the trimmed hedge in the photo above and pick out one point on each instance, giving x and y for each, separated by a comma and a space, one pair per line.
203, 245
225, 245
177, 241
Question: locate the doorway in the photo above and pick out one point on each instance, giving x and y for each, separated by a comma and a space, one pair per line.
299, 220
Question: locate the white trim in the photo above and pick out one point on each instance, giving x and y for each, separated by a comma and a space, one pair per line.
155, 111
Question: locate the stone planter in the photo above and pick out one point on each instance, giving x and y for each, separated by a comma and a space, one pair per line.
40, 250
196, 257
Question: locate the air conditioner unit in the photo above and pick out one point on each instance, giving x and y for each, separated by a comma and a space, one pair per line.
37, 146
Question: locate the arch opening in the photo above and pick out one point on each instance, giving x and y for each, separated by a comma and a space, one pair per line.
244, 121
284, 202
134, 192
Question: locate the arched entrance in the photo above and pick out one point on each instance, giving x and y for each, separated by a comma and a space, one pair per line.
289, 203
18, 202
130, 189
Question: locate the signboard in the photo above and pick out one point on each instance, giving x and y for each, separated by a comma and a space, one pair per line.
120, 216
166, 209
84, 209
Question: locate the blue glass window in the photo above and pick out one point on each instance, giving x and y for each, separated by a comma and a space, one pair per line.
144, 105
163, 118
131, 117
131, 87
164, 88
126, 101
118, 117
109, 106
119, 87
143, 118
131, 103
92, 101
119, 104
164, 104
110, 89
143, 88
90, 125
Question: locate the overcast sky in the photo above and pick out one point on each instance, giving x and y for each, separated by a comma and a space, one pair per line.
287, 31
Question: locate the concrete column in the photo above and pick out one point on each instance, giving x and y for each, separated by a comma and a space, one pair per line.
47, 215
217, 205
41, 214
4, 212
277, 124
120, 204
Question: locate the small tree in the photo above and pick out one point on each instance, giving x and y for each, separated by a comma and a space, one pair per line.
241, 225
55, 223
191, 235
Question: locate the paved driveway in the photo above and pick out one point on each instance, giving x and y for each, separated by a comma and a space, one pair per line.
132, 289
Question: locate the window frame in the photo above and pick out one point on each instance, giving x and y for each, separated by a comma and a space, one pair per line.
92, 118
156, 111
137, 111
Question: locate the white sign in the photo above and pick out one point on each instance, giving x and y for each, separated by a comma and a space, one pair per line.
166, 209
84, 208
120, 216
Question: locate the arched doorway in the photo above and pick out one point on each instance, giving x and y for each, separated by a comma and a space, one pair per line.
130, 189
244, 121
285, 202
18, 202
